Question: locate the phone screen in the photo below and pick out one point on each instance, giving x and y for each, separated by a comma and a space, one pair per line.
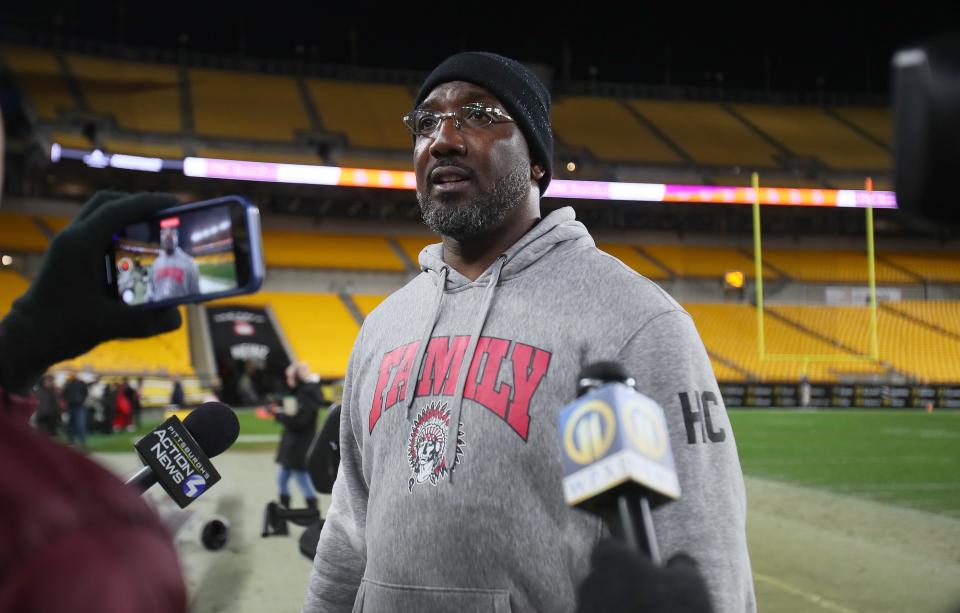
177, 257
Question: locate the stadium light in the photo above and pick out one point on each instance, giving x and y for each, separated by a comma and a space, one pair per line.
6, 260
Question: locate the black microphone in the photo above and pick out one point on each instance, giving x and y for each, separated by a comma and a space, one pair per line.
177, 455
617, 458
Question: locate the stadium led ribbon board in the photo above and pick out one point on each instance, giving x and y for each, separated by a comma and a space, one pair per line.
307, 174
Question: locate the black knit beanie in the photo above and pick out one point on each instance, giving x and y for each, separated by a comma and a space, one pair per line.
521, 92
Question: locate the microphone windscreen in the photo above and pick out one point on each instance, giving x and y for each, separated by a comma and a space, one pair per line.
214, 426
600, 373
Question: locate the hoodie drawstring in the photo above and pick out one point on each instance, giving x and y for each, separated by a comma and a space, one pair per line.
408, 389
453, 431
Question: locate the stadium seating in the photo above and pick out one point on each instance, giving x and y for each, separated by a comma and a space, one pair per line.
808, 131
141, 97
318, 327
876, 122
940, 314
338, 251
608, 129
937, 266
413, 245
368, 114
708, 133
629, 256
729, 331
71, 140
18, 232
167, 354
367, 302
910, 348
821, 265
12, 286
694, 261
38, 73
246, 106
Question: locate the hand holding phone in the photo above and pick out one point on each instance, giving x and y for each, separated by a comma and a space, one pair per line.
65, 313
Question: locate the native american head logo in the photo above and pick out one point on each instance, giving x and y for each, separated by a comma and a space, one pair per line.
427, 445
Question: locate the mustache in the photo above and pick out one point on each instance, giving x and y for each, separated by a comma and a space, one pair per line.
450, 162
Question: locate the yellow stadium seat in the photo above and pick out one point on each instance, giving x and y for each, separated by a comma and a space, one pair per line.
809, 131
608, 129
933, 266
832, 265
38, 74
878, 123
71, 141
368, 114
368, 302
246, 106
339, 251
167, 354
691, 261
941, 314
413, 245
910, 348
708, 133
729, 331
319, 328
19, 232
12, 286
629, 256
141, 97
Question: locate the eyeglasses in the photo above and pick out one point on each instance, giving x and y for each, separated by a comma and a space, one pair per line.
476, 115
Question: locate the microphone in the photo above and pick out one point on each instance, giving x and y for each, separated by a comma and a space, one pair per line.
617, 459
177, 455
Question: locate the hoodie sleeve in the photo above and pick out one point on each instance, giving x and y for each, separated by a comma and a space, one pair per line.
708, 522
342, 552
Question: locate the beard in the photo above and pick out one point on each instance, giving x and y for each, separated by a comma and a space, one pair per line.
482, 213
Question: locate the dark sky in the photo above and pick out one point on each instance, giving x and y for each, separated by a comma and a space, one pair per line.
783, 46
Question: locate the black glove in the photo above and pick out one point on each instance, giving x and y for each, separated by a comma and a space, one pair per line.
67, 310
622, 580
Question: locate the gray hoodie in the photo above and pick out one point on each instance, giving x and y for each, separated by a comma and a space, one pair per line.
405, 533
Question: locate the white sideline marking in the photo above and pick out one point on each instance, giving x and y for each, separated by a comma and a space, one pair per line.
808, 596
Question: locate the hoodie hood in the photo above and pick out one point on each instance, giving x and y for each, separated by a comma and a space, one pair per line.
557, 228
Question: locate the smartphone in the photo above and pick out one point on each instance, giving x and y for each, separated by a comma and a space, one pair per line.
188, 253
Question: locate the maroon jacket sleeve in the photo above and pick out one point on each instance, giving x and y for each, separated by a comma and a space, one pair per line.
75, 538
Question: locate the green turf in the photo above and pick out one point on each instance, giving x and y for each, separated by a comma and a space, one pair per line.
909, 459
223, 270
249, 424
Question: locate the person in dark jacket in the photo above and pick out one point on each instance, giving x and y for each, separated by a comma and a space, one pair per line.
75, 395
299, 420
177, 398
48, 411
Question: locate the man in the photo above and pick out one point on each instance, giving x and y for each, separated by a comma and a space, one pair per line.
449, 493
75, 395
299, 423
48, 408
174, 273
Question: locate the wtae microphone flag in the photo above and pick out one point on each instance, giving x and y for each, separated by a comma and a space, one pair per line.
615, 437
177, 460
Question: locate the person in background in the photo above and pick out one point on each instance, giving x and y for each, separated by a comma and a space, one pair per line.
109, 402
176, 395
75, 395
48, 412
136, 407
299, 419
